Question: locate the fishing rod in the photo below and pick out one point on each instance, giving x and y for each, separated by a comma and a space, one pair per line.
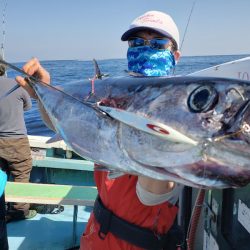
2, 69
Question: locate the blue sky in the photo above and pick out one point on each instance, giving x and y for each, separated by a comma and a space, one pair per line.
81, 29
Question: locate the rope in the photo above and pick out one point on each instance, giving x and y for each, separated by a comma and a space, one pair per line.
195, 219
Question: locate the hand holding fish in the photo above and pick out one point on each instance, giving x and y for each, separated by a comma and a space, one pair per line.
36, 73
33, 68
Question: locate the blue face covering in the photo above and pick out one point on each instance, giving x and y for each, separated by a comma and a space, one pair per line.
3, 179
150, 62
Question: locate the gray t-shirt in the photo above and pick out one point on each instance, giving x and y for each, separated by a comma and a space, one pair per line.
12, 109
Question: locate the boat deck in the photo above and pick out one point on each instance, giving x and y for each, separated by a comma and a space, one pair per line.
53, 163
48, 231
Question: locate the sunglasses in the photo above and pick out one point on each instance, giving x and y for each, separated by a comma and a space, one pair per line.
156, 43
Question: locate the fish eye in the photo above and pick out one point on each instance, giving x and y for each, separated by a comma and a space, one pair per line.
202, 99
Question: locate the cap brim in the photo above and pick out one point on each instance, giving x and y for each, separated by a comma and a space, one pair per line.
129, 33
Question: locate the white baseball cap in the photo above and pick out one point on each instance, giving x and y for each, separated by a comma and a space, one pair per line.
155, 21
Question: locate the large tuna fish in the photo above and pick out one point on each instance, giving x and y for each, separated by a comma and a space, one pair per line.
192, 130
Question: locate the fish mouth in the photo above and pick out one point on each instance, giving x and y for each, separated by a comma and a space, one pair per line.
238, 127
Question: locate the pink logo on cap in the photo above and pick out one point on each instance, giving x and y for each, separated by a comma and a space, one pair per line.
149, 18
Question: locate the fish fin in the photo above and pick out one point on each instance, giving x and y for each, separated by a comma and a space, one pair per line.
113, 174
98, 74
147, 125
55, 138
9, 91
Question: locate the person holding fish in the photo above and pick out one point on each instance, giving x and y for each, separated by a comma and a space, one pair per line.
132, 212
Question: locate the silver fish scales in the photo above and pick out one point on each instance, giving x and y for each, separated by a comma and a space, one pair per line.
211, 112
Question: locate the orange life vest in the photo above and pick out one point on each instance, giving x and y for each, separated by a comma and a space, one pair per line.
119, 196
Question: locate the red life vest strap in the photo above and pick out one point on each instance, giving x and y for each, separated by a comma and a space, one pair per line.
135, 235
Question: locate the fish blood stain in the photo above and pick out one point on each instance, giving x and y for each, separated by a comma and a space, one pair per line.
158, 129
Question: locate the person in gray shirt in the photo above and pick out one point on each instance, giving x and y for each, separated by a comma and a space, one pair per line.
15, 153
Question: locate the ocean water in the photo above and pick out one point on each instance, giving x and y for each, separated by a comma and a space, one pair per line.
68, 71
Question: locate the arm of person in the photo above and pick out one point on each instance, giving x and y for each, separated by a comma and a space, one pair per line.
153, 192
34, 68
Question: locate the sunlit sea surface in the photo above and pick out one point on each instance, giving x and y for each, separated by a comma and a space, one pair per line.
68, 71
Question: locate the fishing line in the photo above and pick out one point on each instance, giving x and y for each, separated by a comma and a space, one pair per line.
186, 28
189, 18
